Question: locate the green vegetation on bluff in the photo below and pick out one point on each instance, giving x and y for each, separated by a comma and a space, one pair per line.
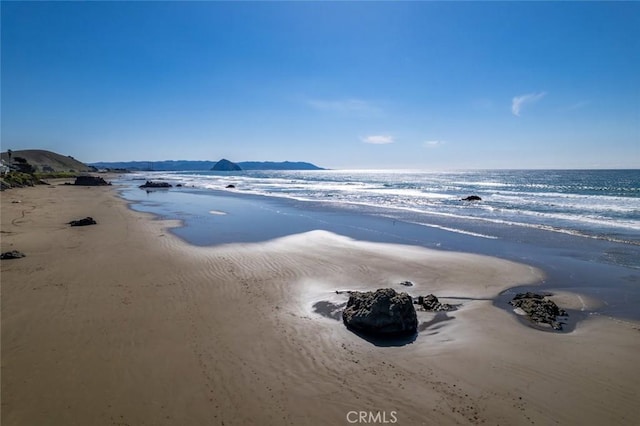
28, 167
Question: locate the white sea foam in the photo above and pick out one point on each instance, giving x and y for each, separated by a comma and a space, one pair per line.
604, 205
458, 231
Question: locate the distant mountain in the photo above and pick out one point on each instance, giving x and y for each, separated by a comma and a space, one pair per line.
187, 165
168, 165
285, 165
225, 165
46, 161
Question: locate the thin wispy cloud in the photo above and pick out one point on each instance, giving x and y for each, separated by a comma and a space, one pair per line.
519, 102
433, 144
349, 106
378, 139
577, 105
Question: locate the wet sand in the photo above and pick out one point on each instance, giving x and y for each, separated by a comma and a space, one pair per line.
122, 323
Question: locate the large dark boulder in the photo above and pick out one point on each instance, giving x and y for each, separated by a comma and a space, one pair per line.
539, 309
380, 313
225, 165
90, 181
150, 184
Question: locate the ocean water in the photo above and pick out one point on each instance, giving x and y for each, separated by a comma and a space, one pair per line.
598, 204
581, 227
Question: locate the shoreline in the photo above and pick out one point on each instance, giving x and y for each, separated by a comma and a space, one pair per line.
443, 205
123, 322
256, 218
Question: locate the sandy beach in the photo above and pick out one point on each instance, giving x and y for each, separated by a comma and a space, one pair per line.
122, 323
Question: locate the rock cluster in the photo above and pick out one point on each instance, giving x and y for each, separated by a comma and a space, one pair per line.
90, 181
431, 303
83, 222
472, 198
150, 184
14, 254
539, 309
380, 313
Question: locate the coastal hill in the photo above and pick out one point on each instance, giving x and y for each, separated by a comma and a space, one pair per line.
225, 165
45, 161
188, 165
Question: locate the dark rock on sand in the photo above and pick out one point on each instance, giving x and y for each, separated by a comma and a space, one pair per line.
539, 309
83, 222
14, 254
150, 184
472, 198
90, 181
529, 295
431, 303
406, 283
380, 313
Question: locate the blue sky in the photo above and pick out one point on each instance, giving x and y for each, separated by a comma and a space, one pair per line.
421, 85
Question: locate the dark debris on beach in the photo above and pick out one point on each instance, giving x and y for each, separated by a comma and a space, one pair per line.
83, 222
13, 254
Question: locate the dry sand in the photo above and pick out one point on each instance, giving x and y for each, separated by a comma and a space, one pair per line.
122, 323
